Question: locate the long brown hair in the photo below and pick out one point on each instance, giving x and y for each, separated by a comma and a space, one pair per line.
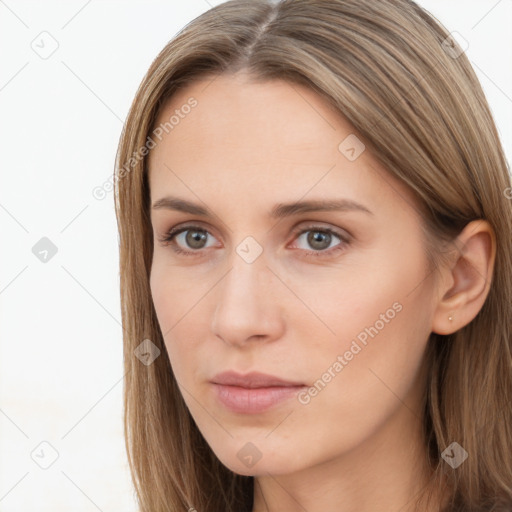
389, 69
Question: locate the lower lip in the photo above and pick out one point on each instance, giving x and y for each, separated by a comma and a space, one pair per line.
254, 400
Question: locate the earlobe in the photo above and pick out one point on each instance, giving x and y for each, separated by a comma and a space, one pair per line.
469, 278
446, 327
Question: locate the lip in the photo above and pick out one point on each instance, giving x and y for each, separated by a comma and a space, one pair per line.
252, 380
253, 392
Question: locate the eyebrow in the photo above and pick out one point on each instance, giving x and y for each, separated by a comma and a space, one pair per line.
279, 211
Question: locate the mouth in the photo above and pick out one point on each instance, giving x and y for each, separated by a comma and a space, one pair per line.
254, 392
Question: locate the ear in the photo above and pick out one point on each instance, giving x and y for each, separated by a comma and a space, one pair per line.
466, 281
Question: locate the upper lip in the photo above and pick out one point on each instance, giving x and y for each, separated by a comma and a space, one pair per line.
252, 380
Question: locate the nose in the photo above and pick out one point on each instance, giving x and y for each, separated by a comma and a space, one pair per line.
248, 307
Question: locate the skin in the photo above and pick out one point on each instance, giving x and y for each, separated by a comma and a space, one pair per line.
356, 445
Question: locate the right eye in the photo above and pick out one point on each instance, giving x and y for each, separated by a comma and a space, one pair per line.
187, 237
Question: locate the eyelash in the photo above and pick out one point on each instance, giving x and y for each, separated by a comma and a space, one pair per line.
168, 239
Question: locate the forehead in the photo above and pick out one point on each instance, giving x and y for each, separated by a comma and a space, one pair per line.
235, 109
261, 137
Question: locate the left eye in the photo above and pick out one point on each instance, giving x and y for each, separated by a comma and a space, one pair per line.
319, 239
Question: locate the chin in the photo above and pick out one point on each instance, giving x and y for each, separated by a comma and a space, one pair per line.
257, 459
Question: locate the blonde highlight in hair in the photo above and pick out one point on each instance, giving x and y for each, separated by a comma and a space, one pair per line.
424, 117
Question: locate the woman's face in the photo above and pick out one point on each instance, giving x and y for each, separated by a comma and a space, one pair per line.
332, 295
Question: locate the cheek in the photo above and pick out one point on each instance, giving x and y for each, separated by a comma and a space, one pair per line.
337, 304
172, 292
161, 297
176, 303
375, 316
367, 372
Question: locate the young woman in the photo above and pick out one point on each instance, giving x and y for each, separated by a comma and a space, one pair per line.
316, 267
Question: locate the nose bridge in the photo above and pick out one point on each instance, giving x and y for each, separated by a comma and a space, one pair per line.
242, 288
247, 275
244, 307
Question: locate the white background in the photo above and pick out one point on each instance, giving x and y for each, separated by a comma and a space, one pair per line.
61, 117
